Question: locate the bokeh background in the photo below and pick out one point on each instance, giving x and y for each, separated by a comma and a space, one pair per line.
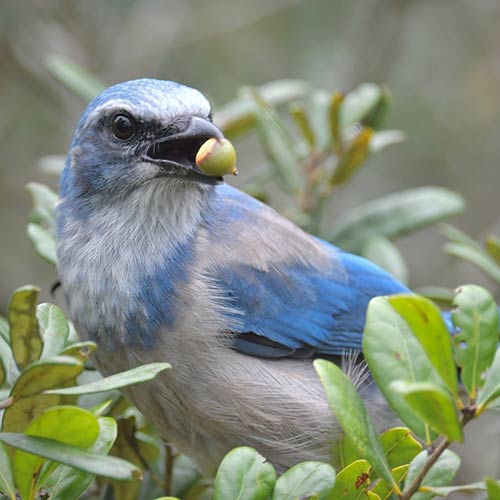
440, 59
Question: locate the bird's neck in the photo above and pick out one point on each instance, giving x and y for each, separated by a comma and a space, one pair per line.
128, 255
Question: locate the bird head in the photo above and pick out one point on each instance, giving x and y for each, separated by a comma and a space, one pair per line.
137, 132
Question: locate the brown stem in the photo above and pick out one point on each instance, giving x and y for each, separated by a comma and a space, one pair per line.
467, 415
169, 462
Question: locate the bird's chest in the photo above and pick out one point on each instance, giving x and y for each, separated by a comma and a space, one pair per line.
122, 287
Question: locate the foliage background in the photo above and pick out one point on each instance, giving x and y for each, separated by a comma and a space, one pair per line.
440, 60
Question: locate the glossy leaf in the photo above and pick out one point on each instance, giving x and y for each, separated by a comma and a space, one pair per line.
439, 294
82, 83
346, 451
244, 474
400, 447
299, 114
393, 353
133, 376
54, 329
24, 336
372, 496
4, 329
353, 157
352, 416
490, 391
44, 201
440, 474
65, 424
6, 479
67, 482
22, 412
238, 115
352, 481
43, 241
395, 215
434, 405
51, 449
457, 236
305, 479
46, 374
384, 490
427, 325
475, 256
387, 255
476, 315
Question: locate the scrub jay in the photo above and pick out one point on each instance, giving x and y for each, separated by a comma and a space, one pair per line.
159, 262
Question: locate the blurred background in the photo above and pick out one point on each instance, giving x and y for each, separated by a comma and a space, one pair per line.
441, 61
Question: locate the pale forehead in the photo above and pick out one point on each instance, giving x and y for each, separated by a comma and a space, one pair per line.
149, 98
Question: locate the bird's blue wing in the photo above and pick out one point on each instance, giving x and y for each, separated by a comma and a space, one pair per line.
289, 293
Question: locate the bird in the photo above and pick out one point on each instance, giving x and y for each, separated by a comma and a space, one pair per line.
160, 262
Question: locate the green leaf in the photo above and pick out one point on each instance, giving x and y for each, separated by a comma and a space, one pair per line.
22, 412
245, 475
46, 374
66, 482
352, 481
299, 114
64, 424
359, 104
475, 256
456, 236
440, 474
492, 244
400, 447
352, 416
44, 202
434, 405
6, 480
305, 479
94, 463
24, 336
238, 115
39, 376
336, 100
279, 145
395, 215
353, 157
427, 325
493, 489
464, 488
476, 315
393, 353
54, 329
386, 254
490, 391
80, 350
385, 491
73, 77
43, 241
380, 140
136, 375
346, 451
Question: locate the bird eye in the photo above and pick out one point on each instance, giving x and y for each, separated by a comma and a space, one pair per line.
123, 127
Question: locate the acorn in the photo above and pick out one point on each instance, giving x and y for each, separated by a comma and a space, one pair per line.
216, 157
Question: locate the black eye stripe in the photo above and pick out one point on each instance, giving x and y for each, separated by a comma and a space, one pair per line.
123, 126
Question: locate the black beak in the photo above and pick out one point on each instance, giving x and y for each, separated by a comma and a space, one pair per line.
176, 153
